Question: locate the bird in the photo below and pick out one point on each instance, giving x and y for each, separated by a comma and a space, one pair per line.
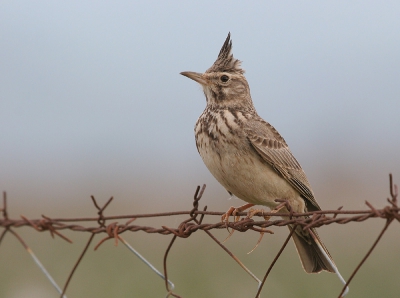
248, 156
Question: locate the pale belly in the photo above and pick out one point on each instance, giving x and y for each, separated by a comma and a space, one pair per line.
243, 172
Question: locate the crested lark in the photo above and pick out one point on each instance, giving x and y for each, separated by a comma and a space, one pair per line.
249, 157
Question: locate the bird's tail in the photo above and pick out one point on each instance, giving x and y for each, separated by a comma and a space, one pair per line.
313, 254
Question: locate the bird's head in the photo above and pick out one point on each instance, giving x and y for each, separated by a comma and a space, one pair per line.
224, 83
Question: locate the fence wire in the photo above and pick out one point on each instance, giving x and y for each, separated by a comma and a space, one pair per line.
192, 224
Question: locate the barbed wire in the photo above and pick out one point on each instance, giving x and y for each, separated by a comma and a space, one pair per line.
193, 224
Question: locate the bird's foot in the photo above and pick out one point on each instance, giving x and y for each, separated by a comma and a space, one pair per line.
234, 211
253, 212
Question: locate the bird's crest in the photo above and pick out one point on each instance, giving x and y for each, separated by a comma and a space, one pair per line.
225, 61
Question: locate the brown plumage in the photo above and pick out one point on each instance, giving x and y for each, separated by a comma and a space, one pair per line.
249, 157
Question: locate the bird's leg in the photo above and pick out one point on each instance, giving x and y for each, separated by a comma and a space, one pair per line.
253, 212
233, 211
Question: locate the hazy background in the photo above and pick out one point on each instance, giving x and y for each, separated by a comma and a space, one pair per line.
92, 103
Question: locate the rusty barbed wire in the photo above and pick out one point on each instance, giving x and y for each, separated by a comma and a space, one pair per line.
191, 225
317, 219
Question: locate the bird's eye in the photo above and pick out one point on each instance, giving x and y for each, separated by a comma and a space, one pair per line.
224, 78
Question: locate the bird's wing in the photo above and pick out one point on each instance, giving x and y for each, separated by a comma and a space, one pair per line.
270, 145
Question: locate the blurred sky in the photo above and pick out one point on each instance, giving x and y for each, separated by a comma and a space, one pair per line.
91, 100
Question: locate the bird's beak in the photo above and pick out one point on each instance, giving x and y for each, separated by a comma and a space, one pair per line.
195, 76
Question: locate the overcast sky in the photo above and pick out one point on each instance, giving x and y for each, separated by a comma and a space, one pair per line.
91, 100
